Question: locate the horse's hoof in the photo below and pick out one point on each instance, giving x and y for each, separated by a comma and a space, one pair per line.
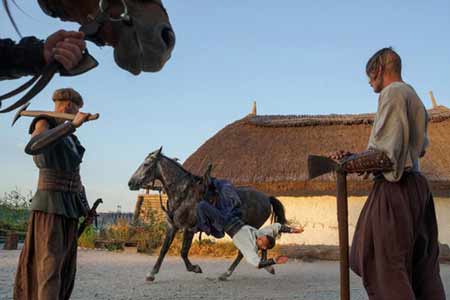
196, 269
270, 269
224, 276
150, 278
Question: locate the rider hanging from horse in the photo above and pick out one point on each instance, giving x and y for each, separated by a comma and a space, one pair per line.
219, 213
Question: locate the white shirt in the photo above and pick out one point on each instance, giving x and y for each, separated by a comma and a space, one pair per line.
245, 240
400, 128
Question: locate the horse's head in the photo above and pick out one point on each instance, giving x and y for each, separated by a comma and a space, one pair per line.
147, 171
139, 30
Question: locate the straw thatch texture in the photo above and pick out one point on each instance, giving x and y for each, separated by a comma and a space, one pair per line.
270, 152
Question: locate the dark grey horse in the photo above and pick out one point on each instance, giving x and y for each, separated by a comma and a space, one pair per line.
184, 191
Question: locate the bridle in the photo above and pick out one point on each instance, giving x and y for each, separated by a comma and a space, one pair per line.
170, 186
91, 30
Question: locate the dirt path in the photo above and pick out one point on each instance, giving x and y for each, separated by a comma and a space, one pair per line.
106, 275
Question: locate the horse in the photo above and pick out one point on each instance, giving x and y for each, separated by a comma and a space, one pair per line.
184, 191
139, 30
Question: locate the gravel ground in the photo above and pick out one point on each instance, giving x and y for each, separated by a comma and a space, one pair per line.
107, 275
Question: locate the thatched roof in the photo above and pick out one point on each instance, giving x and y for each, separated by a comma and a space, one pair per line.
270, 152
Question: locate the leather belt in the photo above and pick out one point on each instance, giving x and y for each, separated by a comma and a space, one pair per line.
59, 181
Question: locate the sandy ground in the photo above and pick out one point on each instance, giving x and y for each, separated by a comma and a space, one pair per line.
107, 275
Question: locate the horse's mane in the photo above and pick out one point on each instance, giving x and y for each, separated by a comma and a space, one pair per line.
10, 17
179, 165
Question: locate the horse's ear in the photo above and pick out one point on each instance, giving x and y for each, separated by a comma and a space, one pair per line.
208, 171
159, 151
207, 175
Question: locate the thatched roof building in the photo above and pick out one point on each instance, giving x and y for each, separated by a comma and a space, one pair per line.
270, 152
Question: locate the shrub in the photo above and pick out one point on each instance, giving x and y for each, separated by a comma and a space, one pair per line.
211, 248
88, 237
149, 236
14, 211
207, 247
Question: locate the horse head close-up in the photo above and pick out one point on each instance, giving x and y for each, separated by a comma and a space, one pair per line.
146, 172
139, 30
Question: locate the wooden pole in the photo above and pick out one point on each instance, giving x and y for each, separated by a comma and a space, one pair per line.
342, 212
68, 117
11, 242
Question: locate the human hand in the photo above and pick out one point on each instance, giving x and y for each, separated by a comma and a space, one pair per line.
66, 47
422, 154
80, 118
297, 230
281, 259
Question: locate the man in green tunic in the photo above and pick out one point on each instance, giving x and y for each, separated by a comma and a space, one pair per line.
47, 264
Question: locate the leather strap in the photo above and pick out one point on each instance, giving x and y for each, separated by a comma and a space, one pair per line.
87, 63
59, 181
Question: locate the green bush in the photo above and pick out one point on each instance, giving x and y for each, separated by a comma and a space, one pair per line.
150, 236
87, 239
14, 211
205, 247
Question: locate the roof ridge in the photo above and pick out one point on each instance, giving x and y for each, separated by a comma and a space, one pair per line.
437, 114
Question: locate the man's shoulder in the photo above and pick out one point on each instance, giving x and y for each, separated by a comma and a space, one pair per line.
396, 92
399, 93
398, 88
41, 121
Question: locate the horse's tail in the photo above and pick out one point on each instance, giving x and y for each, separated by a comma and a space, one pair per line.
278, 212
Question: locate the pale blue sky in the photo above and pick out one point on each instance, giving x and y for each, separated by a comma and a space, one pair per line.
292, 57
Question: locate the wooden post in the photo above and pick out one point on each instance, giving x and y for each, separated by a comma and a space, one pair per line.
11, 242
342, 209
254, 109
433, 100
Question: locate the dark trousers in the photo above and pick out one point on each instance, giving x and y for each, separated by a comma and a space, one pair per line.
395, 247
210, 220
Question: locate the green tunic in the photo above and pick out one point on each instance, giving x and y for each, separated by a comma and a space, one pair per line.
64, 155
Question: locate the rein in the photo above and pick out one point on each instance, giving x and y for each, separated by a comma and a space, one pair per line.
173, 187
91, 30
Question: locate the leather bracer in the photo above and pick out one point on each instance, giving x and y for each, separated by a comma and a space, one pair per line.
285, 229
371, 161
266, 262
42, 141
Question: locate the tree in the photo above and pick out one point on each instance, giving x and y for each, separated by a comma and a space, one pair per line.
16, 200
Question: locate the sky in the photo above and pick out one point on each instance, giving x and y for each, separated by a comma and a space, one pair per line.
291, 57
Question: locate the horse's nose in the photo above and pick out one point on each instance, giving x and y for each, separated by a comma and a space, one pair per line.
168, 36
132, 184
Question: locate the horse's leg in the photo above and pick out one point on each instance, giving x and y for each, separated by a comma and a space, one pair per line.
233, 266
170, 235
187, 242
236, 262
